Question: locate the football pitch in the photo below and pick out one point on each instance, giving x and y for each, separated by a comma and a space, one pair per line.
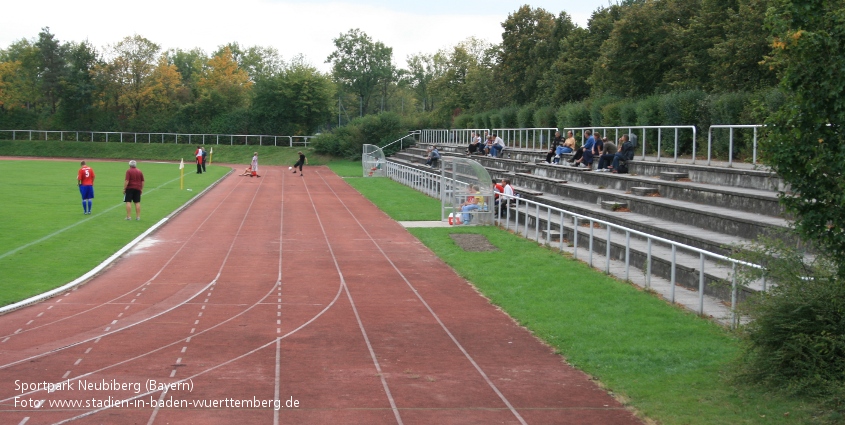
46, 241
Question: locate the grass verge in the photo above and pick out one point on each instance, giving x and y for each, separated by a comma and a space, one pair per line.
46, 241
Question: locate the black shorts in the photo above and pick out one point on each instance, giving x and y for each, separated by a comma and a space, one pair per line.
132, 195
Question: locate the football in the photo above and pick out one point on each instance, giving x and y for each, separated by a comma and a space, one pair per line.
290, 168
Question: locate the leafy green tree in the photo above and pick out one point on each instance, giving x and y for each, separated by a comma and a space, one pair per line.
738, 59
805, 144
190, 64
51, 67
132, 64
527, 50
227, 80
568, 78
361, 65
26, 81
645, 49
76, 107
294, 102
422, 70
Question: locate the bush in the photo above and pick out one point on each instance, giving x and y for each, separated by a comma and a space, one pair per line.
628, 113
544, 117
348, 141
478, 121
463, 121
648, 111
612, 114
596, 110
508, 117
683, 108
495, 120
525, 116
573, 114
728, 108
796, 336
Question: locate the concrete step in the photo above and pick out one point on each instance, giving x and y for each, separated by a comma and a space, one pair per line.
713, 218
736, 198
630, 248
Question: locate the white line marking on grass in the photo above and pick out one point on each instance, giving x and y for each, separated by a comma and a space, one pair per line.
113, 258
60, 231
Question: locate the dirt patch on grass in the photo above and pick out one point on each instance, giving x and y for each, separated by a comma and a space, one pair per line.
472, 243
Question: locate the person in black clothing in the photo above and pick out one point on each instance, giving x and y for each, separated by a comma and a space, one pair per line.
302, 161
204, 158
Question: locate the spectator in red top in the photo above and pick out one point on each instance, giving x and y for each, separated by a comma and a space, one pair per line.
85, 181
133, 185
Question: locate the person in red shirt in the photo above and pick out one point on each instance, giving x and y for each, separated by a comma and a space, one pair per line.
133, 185
85, 181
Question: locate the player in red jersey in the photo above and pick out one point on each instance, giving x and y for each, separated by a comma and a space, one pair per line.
85, 181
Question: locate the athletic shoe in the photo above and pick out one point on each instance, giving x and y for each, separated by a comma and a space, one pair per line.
581, 165
128, 218
138, 218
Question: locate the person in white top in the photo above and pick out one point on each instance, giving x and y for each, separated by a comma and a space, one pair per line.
255, 165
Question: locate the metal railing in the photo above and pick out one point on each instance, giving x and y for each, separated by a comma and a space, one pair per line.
528, 138
557, 219
186, 138
731, 127
642, 138
401, 140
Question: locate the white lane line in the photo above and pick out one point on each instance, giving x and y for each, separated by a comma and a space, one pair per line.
184, 349
23, 421
88, 350
114, 322
196, 322
105, 330
155, 411
431, 311
278, 373
173, 373
18, 331
30, 322
66, 375
49, 307
5, 339
193, 330
354, 309
198, 374
40, 314
77, 362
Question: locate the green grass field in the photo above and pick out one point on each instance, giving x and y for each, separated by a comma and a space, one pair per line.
46, 241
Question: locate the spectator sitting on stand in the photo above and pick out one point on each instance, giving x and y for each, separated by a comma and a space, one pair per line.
607, 155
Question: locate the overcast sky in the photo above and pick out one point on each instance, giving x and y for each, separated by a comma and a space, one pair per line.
292, 27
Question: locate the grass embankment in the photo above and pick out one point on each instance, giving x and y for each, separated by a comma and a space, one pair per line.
668, 364
224, 154
46, 241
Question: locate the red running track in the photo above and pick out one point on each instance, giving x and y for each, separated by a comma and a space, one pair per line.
284, 299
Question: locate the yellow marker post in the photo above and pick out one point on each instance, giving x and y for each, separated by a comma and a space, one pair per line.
181, 173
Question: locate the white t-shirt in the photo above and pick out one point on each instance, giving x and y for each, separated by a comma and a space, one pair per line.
508, 190
255, 163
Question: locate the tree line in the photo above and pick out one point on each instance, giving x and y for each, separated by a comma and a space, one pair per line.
628, 51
